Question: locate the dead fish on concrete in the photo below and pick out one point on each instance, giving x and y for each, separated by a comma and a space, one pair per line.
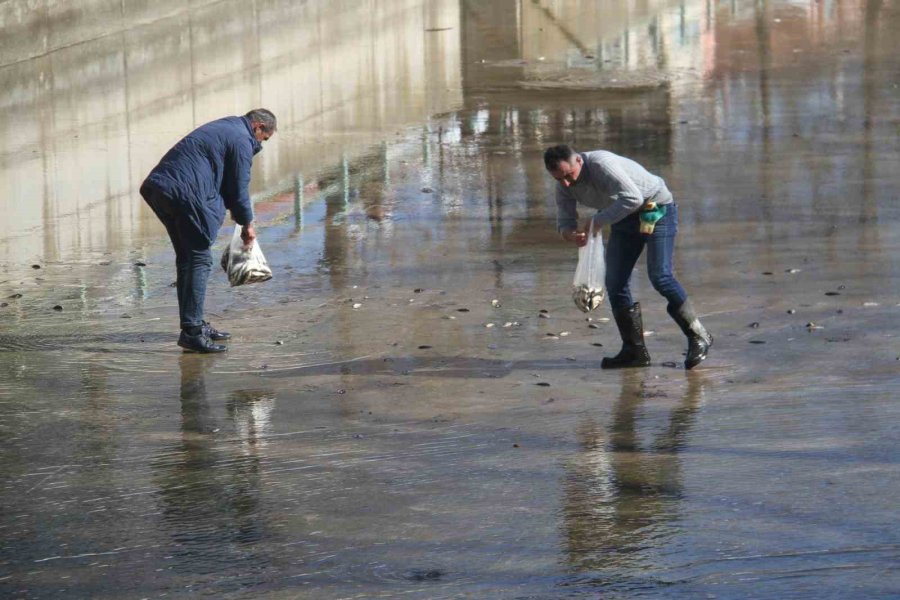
423, 575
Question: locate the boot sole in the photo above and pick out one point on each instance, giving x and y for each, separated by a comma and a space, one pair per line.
689, 367
195, 351
628, 366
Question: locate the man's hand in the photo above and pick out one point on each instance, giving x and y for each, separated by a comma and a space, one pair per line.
248, 235
579, 238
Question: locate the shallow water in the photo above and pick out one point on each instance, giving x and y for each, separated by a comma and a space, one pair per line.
404, 446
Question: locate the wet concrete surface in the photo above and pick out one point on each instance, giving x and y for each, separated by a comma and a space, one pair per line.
380, 427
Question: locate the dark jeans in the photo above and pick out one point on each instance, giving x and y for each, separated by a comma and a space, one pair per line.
626, 243
193, 259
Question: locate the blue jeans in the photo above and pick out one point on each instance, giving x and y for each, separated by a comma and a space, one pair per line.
193, 259
626, 243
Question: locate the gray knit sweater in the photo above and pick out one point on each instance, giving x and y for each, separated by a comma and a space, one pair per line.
615, 185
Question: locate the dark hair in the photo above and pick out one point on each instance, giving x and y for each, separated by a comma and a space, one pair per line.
264, 117
557, 154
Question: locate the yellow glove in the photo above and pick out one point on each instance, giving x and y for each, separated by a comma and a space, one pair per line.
650, 214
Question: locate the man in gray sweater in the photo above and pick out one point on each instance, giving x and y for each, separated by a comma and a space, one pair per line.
621, 190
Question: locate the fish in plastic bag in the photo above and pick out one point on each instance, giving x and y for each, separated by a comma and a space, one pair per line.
588, 292
244, 265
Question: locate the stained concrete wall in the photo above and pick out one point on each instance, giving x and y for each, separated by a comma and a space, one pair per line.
32, 28
87, 117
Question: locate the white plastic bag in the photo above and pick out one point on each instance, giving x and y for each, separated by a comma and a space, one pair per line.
590, 273
244, 266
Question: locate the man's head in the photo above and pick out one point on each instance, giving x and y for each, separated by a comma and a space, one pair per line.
263, 123
563, 163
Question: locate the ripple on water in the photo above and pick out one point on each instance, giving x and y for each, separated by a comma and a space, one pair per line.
421, 576
100, 343
278, 362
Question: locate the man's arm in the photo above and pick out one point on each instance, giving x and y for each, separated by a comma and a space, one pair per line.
625, 195
567, 217
238, 163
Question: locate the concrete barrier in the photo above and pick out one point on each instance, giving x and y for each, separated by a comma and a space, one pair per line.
83, 124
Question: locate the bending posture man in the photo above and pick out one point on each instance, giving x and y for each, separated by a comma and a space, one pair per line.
189, 190
621, 190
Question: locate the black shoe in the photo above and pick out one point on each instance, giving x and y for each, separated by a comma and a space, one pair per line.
199, 343
631, 329
699, 340
214, 334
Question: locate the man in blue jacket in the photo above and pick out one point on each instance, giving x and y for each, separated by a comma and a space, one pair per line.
205, 173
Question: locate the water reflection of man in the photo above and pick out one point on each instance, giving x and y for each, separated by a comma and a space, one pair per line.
209, 491
205, 173
621, 189
619, 494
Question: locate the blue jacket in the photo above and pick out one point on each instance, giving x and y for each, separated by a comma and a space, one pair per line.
209, 171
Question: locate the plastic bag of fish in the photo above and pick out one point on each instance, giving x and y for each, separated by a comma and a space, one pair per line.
588, 291
244, 265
